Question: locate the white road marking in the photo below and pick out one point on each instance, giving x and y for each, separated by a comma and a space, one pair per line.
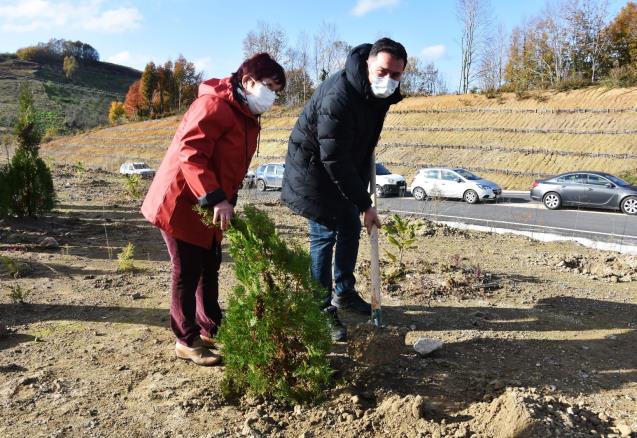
516, 223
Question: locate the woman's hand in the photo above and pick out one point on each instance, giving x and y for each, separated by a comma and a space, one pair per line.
222, 213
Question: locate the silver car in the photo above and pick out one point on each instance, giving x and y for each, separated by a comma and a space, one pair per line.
586, 189
269, 176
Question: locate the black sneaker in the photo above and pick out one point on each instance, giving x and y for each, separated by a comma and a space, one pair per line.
352, 302
337, 329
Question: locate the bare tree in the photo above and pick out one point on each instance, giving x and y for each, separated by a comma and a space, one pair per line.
493, 60
299, 84
267, 38
419, 80
587, 20
473, 17
330, 53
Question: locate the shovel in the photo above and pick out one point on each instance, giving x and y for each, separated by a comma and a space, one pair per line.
374, 258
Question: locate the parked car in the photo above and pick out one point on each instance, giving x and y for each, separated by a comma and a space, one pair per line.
138, 168
269, 176
248, 180
444, 182
586, 189
388, 183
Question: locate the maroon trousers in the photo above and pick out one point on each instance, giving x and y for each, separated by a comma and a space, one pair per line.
194, 304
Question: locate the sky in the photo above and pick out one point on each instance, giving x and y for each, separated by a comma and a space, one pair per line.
210, 33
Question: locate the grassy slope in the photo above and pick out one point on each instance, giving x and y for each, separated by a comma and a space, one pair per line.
77, 100
509, 140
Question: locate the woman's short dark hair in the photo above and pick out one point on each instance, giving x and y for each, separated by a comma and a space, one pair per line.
259, 67
390, 46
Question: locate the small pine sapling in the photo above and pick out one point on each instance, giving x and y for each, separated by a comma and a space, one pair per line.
125, 261
132, 185
275, 337
17, 294
11, 266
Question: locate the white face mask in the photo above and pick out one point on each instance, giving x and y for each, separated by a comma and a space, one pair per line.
383, 86
260, 99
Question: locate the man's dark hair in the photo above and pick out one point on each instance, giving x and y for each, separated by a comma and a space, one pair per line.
390, 46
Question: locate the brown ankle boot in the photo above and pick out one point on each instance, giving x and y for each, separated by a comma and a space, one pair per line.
197, 353
208, 341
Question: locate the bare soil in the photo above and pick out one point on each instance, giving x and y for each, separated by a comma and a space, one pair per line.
539, 338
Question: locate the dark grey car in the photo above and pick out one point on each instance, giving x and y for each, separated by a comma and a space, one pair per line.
586, 189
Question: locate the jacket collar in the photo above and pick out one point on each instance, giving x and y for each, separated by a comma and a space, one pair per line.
223, 89
357, 76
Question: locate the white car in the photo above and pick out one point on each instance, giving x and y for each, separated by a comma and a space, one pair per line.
443, 182
139, 168
388, 183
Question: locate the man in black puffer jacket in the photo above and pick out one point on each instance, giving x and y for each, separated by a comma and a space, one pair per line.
328, 166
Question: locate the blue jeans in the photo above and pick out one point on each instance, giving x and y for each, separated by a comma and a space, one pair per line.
322, 241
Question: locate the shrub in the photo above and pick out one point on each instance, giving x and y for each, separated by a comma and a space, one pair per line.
275, 337
624, 76
125, 261
30, 184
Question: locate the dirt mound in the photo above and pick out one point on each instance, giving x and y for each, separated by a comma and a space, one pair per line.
611, 268
523, 413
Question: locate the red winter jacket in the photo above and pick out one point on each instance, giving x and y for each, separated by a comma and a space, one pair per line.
205, 163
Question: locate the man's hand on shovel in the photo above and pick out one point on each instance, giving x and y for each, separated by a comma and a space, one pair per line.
370, 218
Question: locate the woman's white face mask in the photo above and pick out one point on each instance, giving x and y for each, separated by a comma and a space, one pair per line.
383, 86
260, 98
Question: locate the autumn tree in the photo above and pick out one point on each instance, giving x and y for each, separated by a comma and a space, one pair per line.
622, 33
186, 81
135, 105
116, 112
69, 66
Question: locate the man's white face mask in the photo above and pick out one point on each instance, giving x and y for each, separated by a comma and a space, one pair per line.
260, 99
383, 86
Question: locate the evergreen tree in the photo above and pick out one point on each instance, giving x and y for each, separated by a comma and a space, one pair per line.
30, 184
27, 130
148, 84
28, 180
275, 337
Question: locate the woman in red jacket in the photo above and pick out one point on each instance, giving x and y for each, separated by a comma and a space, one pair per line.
205, 164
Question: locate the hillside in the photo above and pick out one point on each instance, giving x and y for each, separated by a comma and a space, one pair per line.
507, 139
82, 101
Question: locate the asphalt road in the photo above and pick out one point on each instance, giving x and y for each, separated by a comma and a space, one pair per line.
515, 212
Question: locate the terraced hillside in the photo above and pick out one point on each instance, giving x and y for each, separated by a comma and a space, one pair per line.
507, 139
82, 102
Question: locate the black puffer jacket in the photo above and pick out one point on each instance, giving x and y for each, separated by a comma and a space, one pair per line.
327, 166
